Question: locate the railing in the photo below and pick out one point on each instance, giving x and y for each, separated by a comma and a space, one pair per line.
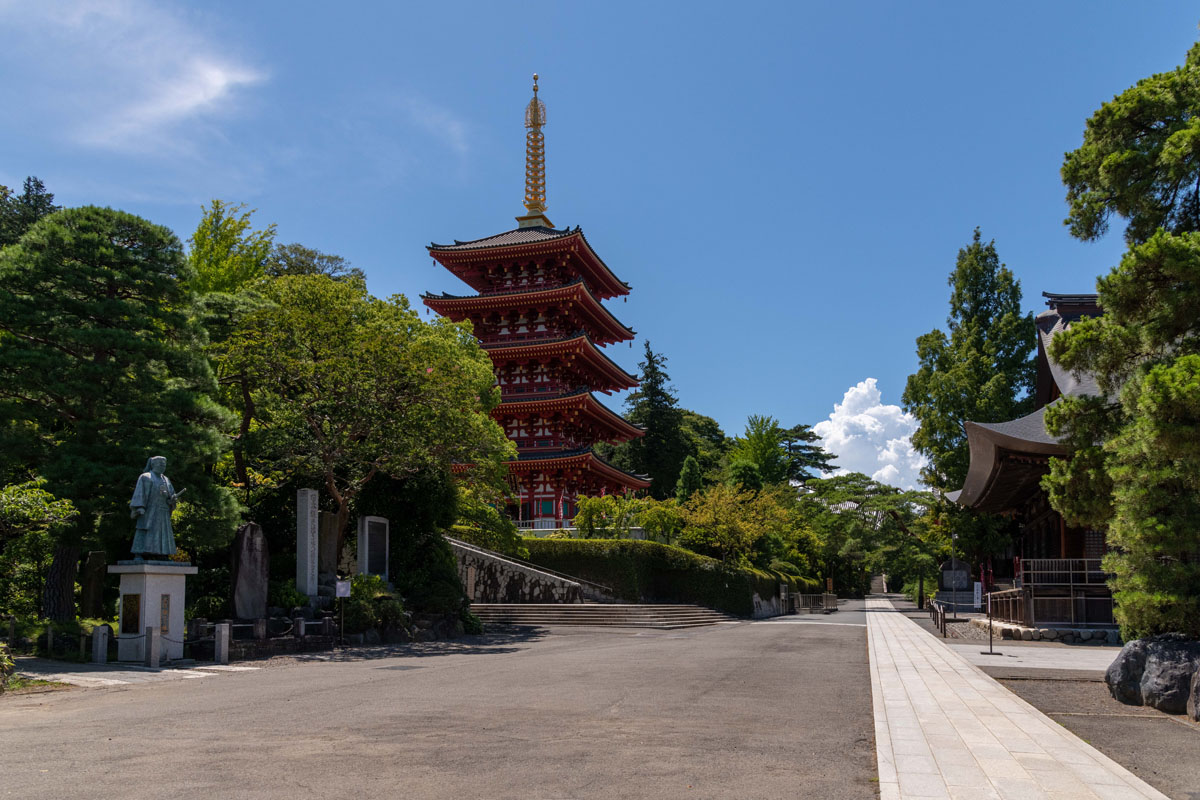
814, 603
937, 614
1062, 572
546, 524
1029, 607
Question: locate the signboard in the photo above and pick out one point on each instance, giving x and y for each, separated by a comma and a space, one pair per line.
131, 611
164, 617
829, 585
978, 595
342, 589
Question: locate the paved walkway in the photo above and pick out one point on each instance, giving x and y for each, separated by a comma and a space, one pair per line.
116, 674
944, 729
1070, 657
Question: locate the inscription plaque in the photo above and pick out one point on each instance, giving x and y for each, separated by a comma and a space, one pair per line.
165, 615
131, 612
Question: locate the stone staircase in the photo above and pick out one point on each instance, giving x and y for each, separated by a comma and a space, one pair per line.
667, 617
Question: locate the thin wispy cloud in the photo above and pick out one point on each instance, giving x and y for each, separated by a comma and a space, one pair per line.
124, 75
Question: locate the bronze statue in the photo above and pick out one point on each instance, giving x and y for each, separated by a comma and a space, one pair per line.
154, 498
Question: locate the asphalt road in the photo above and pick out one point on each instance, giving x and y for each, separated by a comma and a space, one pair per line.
752, 710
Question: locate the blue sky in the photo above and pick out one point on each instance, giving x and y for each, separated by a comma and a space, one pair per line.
785, 185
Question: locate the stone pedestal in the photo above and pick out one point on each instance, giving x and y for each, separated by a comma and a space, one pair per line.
152, 594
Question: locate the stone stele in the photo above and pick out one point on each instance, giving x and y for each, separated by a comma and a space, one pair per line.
251, 568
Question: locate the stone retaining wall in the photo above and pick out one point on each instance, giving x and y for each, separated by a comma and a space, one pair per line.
1007, 630
489, 577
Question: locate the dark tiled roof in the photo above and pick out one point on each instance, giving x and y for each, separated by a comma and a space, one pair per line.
508, 238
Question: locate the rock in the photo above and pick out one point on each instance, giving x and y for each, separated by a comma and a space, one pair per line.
1085, 635
251, 570
1027, 635
1124, 675
1193, 702
396, 635
1050, 634
1171, 661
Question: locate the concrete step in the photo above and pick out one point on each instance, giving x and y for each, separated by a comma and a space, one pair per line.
604, 614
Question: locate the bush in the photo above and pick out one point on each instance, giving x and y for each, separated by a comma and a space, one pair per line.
471, 623
6, 666
371, 605
639, 571
285, 595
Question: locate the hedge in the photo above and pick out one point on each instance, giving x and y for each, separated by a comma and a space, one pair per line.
643, 571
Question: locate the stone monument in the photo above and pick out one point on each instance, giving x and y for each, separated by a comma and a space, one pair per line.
152, 587
307, 549
374, 544
251, 570
91, 583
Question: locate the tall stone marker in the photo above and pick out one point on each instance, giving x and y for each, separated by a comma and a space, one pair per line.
251, 569
327, 560
307, 555
91, 598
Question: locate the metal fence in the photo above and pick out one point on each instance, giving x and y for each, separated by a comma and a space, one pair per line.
815, 603
1030, 607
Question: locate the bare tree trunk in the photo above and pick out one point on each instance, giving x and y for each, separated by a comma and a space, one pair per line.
58, 596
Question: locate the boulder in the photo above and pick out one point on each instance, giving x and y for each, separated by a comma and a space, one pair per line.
1193, 703
1124, 675
1171, 661
1157, 672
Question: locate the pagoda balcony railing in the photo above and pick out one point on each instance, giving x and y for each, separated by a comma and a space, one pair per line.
1062, 572
546, 524
535, 337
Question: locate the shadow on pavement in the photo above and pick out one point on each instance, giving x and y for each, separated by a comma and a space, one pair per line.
506, 641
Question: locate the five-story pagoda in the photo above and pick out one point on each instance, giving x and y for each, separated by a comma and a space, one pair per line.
539, 316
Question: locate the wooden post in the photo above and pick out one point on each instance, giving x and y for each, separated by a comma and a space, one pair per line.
49, 639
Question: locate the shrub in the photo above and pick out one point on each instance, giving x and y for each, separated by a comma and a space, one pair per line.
371, 605
6, 666
471, 623
640, 571
285, 595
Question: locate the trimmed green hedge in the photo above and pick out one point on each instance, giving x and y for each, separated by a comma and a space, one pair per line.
643, 571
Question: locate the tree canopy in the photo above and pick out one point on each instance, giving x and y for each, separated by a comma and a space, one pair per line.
653, 406
227, 252
981, 371
347, 387
1135, 464
102, 362
18, 212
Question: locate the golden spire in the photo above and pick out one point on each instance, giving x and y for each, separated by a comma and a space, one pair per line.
535, 163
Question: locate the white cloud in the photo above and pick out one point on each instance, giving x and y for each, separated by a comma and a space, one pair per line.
123, 75
870, 437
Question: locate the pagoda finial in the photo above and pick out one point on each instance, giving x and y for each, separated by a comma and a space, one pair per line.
535, 164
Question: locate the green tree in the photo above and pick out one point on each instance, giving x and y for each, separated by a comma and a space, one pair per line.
19, 212
1135, 460
227, 253
983, 371
102, 364
296, 259
690, 479
348, 387
1140, 159
30, 520
744, 475
653, 406
762, 446
803, 454
706, 442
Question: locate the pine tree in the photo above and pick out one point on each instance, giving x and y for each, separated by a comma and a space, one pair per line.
660, 453
102, 360
983, 371
19, 212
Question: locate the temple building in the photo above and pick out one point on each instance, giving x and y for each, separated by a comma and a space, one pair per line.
1057, 575
539, 314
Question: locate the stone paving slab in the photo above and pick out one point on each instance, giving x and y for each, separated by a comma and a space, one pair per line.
944, 729
97, 675
1072, 658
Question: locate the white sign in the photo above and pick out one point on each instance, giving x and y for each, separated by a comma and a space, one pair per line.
978, 595
342, 589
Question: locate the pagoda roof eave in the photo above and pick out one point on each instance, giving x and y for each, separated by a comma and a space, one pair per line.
583, 400
523, 242
582, 459
1007, 461
579, 345
576, 291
